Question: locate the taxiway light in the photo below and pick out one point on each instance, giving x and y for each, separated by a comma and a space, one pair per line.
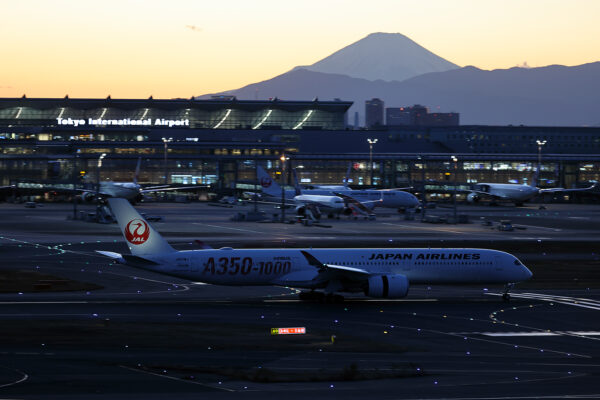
288, 331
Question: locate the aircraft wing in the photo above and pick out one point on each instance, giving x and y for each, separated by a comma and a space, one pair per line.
339, 271
362, 206
396, 189
489, 195
594, 188
168, 188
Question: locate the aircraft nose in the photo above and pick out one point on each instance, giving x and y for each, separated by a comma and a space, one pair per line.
413, 200
521, 271
527, 273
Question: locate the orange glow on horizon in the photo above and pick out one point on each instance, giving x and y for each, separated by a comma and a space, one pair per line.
138, 48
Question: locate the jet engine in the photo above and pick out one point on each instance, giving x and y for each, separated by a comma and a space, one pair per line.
88, 197
387, 286
472, 197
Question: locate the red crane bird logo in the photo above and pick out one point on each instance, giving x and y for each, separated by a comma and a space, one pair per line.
137, 231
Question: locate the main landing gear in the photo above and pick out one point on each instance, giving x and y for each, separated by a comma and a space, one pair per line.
321, 297
506, 294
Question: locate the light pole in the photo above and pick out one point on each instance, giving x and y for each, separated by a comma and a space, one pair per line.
423, 198
166, 143
371, 143
455, 160
98, 185
283, 159
540, 144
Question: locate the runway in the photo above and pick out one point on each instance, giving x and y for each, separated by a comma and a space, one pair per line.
144, 335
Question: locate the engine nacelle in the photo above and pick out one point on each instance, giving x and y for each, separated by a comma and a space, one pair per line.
387, 286
472, 197
88, 197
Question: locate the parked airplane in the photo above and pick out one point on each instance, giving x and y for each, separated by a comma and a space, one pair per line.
348, 204
515, 193
380, 273
131, 191
369, 198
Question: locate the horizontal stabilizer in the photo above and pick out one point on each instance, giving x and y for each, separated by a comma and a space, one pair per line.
127, 259
115, 256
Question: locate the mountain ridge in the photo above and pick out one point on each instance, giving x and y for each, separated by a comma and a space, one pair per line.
369, 67
545, 96
385, 56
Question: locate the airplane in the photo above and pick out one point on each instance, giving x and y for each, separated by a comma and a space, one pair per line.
309, 206
131, 191
516, 193
345, 186
377, 272
348, 204
369, 198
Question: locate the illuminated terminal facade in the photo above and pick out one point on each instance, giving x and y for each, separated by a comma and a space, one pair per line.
219, 141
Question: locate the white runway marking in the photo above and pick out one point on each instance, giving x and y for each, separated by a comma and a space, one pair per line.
227, 227
570, 301
176, 379
24, 377
536, 333
541, 227
423, 227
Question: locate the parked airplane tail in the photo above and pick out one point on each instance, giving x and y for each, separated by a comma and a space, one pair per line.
297, 186
536, 176
137, 170
269, 186
141, 238
347, 177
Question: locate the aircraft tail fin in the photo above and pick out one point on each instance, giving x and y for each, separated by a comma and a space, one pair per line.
536, 176
141, 238
347, 177
296, 184
137, 170
269, 186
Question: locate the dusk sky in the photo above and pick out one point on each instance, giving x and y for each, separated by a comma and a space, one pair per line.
138, 48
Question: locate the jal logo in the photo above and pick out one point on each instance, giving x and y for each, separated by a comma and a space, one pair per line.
137, 231
266, 182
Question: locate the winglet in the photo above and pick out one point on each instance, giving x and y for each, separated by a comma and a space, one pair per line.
312, 260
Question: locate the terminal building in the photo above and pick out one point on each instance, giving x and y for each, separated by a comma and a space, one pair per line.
219, 141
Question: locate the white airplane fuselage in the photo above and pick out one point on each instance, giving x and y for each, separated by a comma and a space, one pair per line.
331, 204
387, 199
290, 267
508, 191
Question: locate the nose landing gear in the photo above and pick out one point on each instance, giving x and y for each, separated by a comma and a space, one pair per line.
507, 289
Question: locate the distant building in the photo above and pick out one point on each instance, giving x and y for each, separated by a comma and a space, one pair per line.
374, 113
418, 115
397, 116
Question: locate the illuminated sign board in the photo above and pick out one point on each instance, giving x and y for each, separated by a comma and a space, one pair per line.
123, 122
288, 331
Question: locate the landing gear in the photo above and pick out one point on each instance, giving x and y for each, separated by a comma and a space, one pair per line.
329, 298
506, 294
310, 296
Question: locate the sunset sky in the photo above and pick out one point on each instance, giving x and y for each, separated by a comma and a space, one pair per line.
180, 48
